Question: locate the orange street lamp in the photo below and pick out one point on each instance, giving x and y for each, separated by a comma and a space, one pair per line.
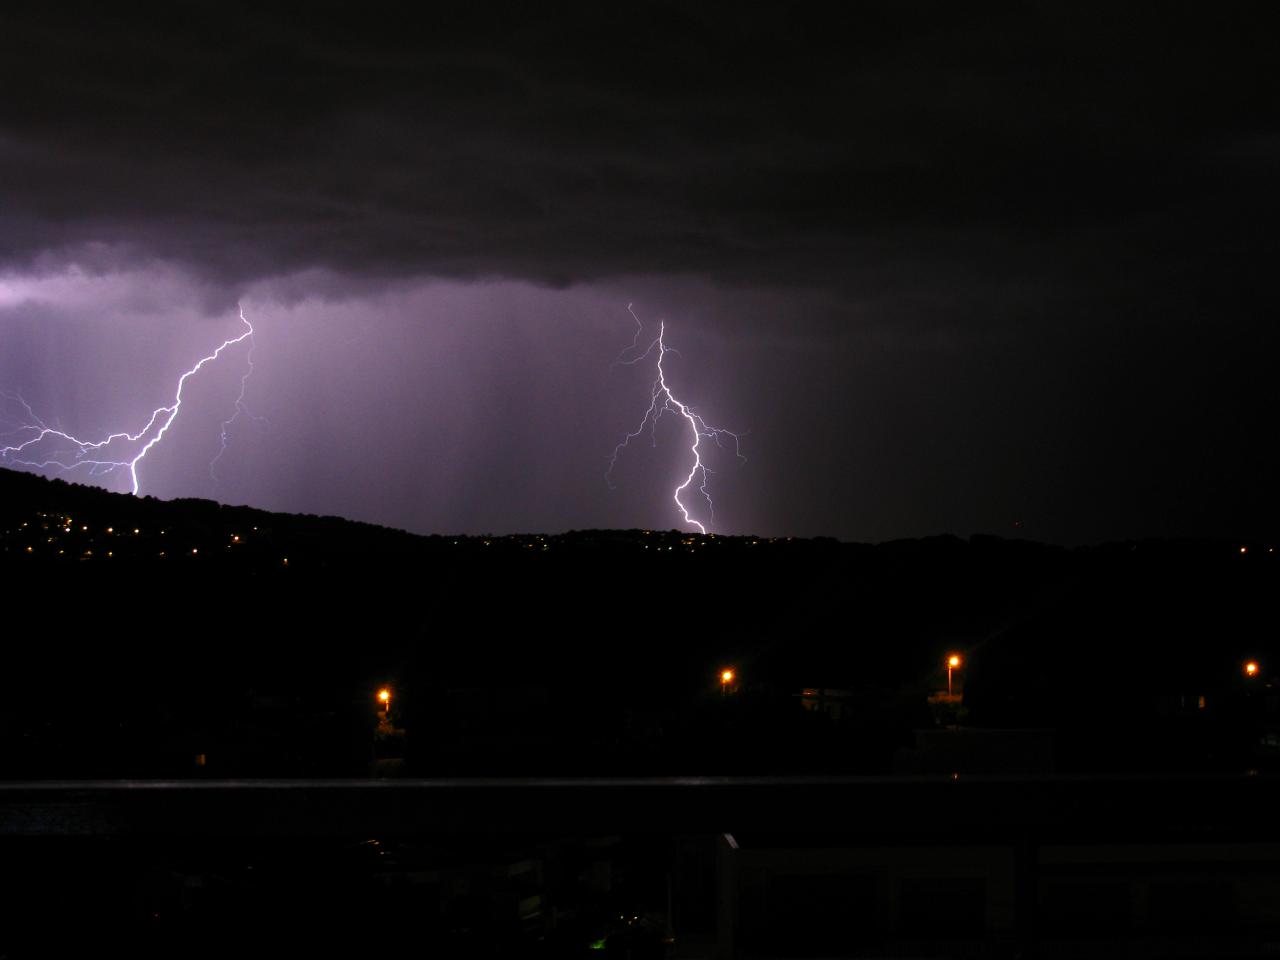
1251, 668
726, 678
953, 663
384, 697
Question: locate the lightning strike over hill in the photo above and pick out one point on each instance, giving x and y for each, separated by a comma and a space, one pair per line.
44, 447
240, 410
663, 401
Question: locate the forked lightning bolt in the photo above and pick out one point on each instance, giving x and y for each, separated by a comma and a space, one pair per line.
240, 410
43, 447
663, 401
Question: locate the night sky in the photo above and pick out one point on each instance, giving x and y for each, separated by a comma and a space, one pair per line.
998, 267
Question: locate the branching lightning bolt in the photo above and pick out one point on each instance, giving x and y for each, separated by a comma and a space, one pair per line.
240, 408
98, 455
663, 401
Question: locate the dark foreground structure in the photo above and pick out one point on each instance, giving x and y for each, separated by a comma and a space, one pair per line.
678, 867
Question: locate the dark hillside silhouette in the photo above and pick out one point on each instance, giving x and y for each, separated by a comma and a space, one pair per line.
143, 634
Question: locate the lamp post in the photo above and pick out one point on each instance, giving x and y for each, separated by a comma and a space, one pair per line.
1251, 668
726, 678
953, 662
384, 697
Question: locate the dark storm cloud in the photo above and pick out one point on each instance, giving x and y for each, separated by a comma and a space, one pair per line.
926, 148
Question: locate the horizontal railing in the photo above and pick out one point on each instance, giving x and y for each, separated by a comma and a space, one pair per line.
857, 809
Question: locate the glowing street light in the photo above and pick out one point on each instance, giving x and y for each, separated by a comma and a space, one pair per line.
384, 697
953, 663
1251, 668
726, 678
